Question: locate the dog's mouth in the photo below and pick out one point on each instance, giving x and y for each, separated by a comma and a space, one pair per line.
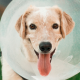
44, 62
51, 54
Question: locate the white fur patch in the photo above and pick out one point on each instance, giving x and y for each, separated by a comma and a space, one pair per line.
43, 13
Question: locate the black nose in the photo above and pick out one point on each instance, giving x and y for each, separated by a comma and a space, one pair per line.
45, 47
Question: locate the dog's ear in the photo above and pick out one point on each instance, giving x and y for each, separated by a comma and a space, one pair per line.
66, 22
21, 22
18, 24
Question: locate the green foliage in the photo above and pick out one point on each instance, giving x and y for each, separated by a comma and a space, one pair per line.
76, 77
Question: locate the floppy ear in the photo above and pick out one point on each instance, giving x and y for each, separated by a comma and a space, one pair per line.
18, 25
21, 22
66, 22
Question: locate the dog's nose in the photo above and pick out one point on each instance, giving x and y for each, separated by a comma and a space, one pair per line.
45, 47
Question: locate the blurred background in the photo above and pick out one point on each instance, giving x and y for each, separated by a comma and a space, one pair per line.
3, 5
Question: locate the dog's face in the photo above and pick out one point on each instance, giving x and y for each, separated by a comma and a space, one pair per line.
44, 27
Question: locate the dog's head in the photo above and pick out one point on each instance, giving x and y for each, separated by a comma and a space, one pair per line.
44, 27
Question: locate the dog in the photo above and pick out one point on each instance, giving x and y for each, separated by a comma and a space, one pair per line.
41, 29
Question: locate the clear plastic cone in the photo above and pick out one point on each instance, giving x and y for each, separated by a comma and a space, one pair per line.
66, 60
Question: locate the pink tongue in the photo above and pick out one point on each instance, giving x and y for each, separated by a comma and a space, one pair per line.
44, 65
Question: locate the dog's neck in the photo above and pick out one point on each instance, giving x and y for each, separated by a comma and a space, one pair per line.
28, 51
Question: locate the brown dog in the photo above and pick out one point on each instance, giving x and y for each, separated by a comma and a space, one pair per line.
41, 29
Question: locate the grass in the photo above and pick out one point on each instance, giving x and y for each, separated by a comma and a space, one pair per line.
76, 77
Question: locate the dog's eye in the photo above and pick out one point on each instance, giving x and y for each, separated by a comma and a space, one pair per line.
32, 26
55, 26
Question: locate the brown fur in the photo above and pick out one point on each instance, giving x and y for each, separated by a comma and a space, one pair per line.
67, 24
